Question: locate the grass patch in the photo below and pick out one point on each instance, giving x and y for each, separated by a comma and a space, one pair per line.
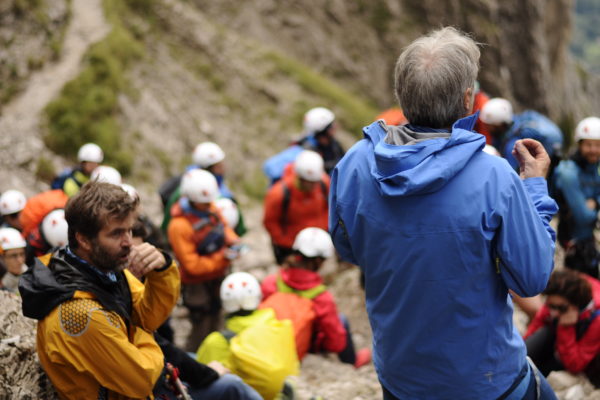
87, 108
255, 184
44, 170
353, 112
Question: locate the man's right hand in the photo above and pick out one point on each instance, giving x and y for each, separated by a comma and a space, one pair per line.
532, 157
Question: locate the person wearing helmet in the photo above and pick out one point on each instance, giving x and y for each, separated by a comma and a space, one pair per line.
577, 186
210, 157
12, 255
320, 128
90, 155
295, 202
50, 234
12, 203
506, 128
107, 174
204, 246
300, 273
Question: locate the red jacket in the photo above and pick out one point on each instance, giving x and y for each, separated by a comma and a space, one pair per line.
330, 334
305, 209
479, 101
574, 354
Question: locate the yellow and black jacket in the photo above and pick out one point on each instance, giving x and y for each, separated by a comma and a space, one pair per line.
94, 335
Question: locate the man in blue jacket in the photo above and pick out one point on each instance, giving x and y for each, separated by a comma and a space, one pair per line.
442, 231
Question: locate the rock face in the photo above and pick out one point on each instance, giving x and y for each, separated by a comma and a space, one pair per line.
22, 376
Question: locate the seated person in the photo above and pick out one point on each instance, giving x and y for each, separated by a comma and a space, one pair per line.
565, 333
299, 274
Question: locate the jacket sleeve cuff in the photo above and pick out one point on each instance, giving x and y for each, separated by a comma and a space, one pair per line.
168, 261
538, 192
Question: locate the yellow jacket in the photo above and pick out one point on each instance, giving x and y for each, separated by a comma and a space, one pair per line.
88, 352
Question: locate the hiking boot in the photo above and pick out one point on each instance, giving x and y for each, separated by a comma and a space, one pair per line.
363, 357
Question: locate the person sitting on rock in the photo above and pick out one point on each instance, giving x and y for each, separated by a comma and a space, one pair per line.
300, 275
565, 333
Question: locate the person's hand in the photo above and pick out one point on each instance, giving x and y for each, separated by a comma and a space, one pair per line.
591, 204
217, 366
532, 157
144, 258
570, 317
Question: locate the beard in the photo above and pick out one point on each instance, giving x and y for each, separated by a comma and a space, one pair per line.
105, 260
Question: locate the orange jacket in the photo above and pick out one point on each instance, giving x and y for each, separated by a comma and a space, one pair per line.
304, 209
478, 103
194, 267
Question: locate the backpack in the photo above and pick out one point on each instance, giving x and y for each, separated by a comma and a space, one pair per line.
295, 305
275, 165
168, 187
38, 206
264, 355
59, 181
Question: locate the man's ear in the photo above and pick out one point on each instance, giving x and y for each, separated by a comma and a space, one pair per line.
84, 242
468, 101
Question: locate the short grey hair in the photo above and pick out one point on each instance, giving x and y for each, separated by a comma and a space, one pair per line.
432, 75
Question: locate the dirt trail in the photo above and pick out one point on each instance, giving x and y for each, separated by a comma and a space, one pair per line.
20, 138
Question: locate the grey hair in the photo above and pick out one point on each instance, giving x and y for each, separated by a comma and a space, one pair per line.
432, 75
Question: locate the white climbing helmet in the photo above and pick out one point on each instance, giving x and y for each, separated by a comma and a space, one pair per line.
313, 242
240, 291
207, 154
90, 152
497, 111
309, 166
55, 228
488, 148
199, 186
588, 128
317, 119
106, 174
10, 238
229, 211
131, 191
11, 202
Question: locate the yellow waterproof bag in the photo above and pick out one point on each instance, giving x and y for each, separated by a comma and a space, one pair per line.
264, 355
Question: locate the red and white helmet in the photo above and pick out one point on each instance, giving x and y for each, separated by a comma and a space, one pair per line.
240, 291
497, 111
309, 166
199, 186
10, 238
588, 128
229, 211
106, 174
55, 228
11, 202
313, 242
207, 154
317, 119
90, 152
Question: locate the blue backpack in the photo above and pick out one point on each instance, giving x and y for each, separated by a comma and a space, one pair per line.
275, 165
59, 181
533, 125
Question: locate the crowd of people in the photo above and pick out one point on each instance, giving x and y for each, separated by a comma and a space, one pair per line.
445, 205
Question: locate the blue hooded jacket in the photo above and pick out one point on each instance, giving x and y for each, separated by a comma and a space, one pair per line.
442, 230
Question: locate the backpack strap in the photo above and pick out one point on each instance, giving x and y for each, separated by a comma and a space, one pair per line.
307, 294
285, 202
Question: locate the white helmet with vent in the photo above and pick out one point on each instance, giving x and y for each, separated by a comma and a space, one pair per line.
317, 119
497, 111
11, 202
90, 152
106, 174
314, 242
240, 291
309, 166
10, 238
588, 128
207, 154
199, 186
55, 228
229, 211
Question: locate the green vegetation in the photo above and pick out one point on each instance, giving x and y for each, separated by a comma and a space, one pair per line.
44, 169
354, 112
585, 43
87, 108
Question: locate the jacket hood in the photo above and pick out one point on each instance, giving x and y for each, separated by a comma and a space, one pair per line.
422, 166
42, 287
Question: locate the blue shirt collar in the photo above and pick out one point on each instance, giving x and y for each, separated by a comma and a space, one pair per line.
110, 275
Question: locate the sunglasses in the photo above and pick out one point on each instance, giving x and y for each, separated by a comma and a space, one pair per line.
561, 308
